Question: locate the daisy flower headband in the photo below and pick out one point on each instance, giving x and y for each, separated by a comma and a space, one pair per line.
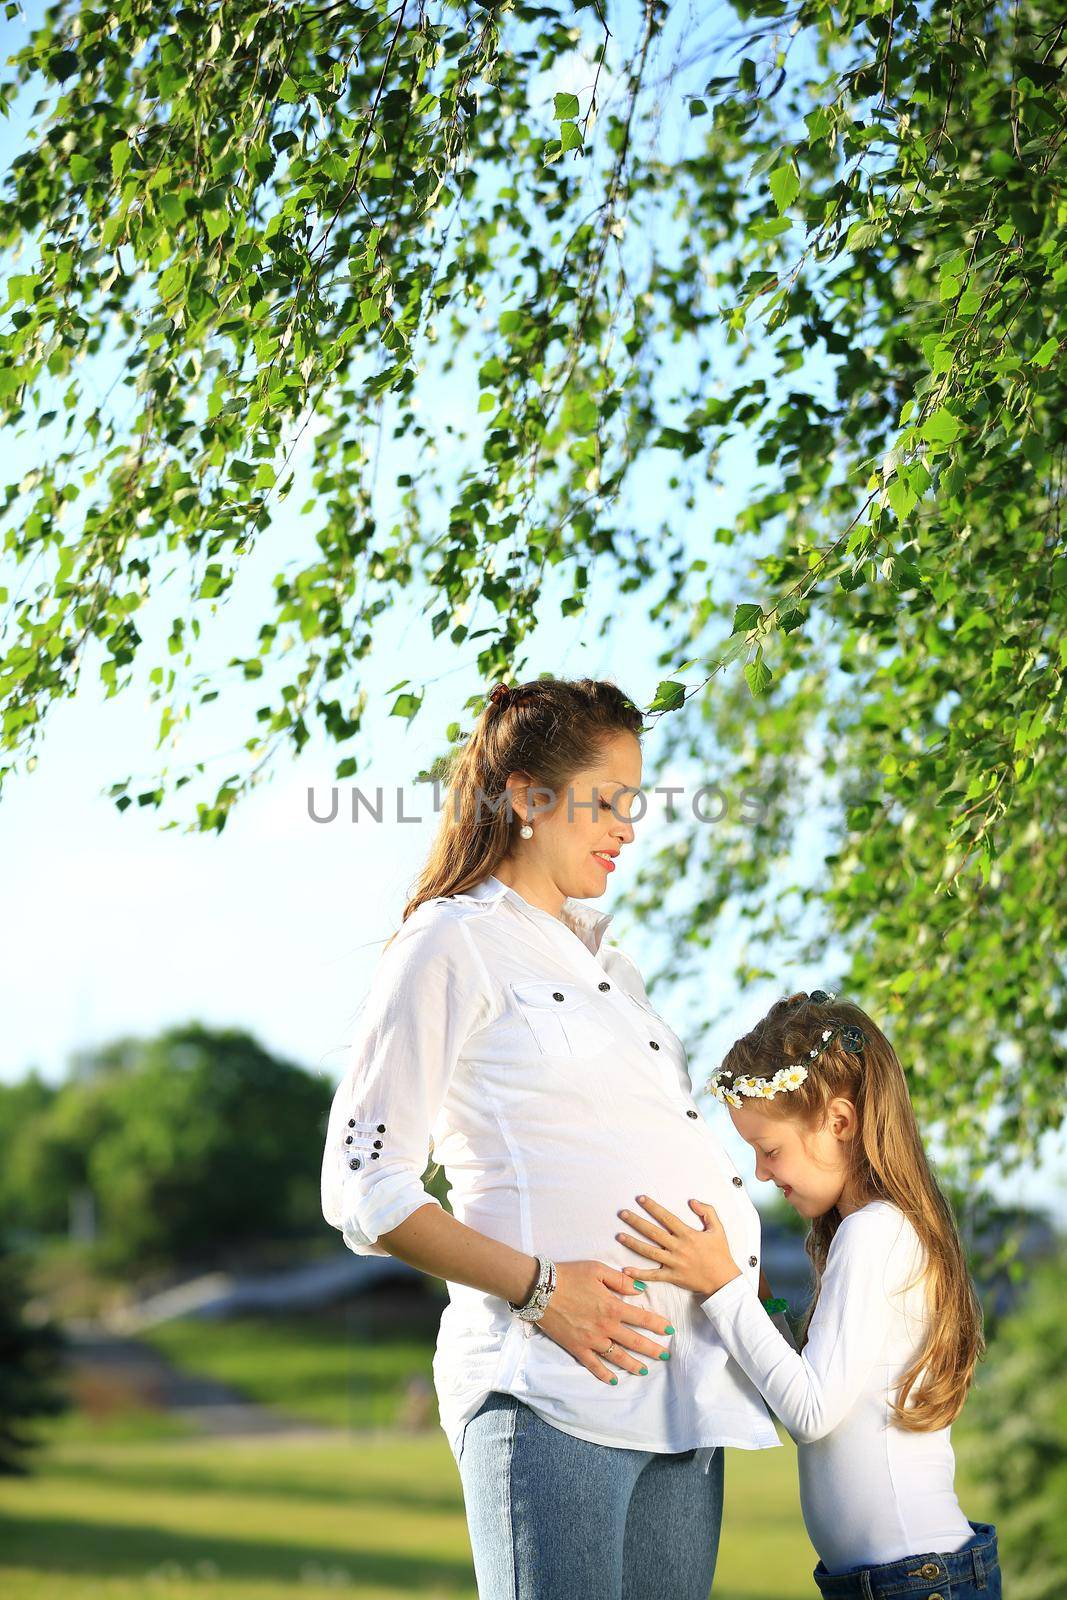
729, 1088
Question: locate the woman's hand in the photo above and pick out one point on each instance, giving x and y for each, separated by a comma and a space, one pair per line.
585, 1313
694, 1258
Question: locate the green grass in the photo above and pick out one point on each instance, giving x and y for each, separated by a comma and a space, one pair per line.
131, 1424
323, 1372
373, 1515
137, 1505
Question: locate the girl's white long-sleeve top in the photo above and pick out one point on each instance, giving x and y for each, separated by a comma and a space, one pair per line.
527, 1049
870, 1490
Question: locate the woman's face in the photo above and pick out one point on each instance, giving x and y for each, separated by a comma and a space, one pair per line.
578, 840
810, 1168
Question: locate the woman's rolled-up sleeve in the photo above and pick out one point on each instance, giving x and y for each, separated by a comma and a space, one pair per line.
428, 994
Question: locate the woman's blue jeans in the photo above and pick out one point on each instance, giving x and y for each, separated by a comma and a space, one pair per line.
552, 1517
970, 1573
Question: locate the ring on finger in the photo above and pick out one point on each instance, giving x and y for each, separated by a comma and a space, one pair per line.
609, 1349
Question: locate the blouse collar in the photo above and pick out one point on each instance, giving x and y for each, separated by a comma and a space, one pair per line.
589, 924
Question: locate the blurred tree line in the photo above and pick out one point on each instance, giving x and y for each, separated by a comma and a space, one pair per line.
187, 1145
1013, 1435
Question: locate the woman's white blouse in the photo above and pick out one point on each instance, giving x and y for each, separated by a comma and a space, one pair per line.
527, 1049
870, 1490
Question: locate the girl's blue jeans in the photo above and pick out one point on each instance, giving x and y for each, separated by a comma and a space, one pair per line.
552, 1517
971, 1573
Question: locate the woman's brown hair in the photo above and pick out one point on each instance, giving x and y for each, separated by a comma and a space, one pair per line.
886, 1162
550, 728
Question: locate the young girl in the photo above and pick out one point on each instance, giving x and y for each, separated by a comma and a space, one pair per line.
890, 1343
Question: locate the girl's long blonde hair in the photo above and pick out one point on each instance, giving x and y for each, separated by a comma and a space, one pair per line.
551, 728
886, 1161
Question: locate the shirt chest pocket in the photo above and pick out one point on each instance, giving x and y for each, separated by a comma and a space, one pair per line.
561, 1019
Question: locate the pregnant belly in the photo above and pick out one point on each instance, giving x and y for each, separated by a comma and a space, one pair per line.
569, 1209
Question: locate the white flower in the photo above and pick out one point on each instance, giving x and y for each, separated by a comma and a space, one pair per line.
826, 1034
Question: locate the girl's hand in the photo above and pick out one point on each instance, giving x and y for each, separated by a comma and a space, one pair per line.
694, 1258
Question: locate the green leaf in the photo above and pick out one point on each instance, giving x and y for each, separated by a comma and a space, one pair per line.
862, 235
669, 696
758, 675
584, 413
902, 498
406, 706
746, 617
941, 428
63, 65
565, 105
785, 186
172, 282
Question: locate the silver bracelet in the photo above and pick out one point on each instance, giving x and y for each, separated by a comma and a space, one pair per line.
534, 1309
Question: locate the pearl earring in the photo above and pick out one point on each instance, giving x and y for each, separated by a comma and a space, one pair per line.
526, 832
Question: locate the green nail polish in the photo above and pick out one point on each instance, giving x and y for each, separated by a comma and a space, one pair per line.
665, 1355
614, 1380
638, 1284
644, 1372
669, 1328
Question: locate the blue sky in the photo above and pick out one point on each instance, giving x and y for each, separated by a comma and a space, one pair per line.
114, 926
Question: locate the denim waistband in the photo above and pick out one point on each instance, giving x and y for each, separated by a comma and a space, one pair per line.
916, 1575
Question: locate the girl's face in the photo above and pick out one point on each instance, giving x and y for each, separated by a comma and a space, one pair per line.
811, 1169
579, 835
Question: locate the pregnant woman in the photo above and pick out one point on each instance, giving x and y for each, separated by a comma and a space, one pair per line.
587, 1414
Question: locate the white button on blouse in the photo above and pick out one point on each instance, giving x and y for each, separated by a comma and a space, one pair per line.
527, 1049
